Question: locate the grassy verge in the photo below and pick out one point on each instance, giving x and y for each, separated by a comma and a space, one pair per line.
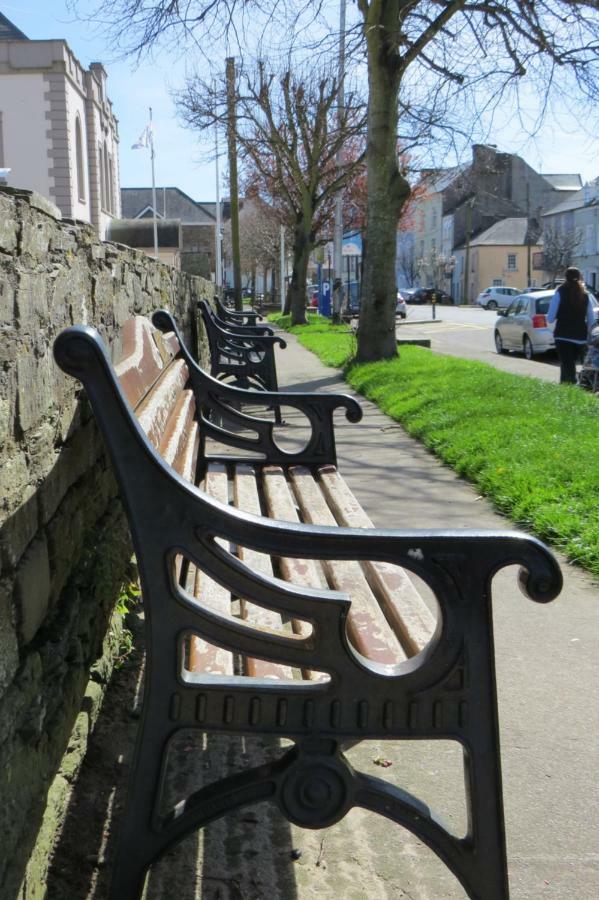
530, 446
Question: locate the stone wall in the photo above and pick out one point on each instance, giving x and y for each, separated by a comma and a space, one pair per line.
64, 548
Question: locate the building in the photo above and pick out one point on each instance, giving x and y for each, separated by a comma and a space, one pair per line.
139, 234
58, 133
198, 223
501, 255
575, 224
460, 203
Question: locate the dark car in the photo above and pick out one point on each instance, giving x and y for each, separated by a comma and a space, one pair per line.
425, 295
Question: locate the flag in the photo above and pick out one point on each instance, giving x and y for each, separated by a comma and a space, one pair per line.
145, 139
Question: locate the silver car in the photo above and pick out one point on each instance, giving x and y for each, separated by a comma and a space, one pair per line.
523, 326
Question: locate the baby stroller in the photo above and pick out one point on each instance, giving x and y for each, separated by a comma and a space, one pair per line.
588, 377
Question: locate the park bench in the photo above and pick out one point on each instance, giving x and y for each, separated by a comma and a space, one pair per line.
246, 358
281, 535
231, 317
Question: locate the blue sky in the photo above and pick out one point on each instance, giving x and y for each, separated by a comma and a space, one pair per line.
559, 147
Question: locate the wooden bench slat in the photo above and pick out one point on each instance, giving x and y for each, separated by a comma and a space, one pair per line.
140, 364
203, 656
368, 628
174, 441
403, 605
246, 498
308, 572
155, 410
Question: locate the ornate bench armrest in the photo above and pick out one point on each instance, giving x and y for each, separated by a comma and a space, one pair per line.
216, 400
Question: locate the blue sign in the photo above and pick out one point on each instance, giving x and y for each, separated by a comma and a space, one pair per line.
324, 299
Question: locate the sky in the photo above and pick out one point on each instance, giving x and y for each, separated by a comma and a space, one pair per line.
181, 158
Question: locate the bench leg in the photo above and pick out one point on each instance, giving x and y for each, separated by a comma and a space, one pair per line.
138, 841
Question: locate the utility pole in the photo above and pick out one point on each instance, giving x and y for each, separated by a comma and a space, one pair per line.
282, 269
218, 274
527, 238
469, 205
234, 189
338, 233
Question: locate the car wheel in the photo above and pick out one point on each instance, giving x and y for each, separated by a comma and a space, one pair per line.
492, 304
527, 347
499, 343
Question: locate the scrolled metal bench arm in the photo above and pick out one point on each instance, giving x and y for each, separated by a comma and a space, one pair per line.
213, 398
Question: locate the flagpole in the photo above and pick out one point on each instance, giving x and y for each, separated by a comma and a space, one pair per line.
153, 187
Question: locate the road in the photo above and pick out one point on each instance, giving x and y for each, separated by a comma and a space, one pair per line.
468, 332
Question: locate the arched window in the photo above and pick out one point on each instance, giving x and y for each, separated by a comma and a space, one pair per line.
79, 161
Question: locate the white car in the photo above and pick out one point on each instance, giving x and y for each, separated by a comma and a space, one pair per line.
497, 297
401, 309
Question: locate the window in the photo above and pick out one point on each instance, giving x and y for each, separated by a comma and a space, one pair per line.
511, 262
102, 180
497, 282
111, 183
79, 161
107, 197
589, 239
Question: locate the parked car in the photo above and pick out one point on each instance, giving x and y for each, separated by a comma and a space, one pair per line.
401, 309
405, 293
425, 295
497, 297
312, 295
524, 327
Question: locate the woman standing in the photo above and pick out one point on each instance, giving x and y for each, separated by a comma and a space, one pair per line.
573, 312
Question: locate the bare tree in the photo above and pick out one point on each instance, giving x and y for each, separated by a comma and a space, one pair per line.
461, 43
420, 54
289, 134
558, 249
406, 261
259, 236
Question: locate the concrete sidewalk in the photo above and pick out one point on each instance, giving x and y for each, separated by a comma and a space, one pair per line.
548, 677
549, 713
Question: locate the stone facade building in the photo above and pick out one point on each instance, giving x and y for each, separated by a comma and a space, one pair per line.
58, 132
462, 202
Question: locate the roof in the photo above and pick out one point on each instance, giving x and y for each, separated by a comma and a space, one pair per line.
10, 32
575, 202
140, 232
563, 182
503, 233
172, 200
440, 180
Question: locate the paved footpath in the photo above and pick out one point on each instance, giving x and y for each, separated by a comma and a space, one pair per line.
548, 686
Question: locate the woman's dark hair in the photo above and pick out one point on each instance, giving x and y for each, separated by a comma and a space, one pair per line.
575, 287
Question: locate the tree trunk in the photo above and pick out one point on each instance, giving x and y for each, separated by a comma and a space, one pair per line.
303, 244
388, 190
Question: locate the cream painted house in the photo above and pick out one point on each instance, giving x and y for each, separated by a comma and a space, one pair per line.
500, 256
58, 133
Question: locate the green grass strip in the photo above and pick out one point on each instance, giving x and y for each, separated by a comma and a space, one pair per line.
530, 446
